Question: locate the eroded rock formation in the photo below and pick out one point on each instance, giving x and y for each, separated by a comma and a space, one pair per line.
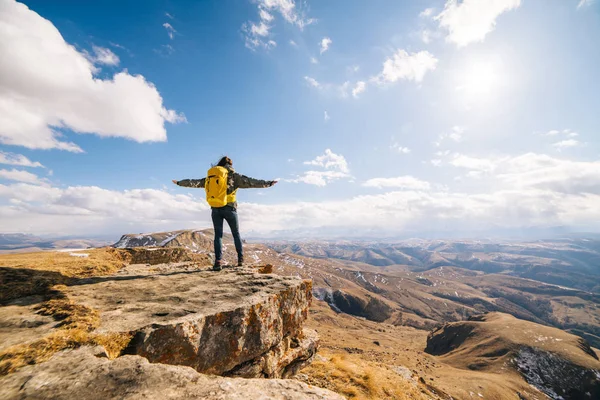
79, 374
235, 322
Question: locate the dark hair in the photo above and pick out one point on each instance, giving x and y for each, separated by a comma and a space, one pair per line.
224, 161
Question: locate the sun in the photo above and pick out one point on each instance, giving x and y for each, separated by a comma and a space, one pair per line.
480, 80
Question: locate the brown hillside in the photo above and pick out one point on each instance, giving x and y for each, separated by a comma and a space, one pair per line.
557, 363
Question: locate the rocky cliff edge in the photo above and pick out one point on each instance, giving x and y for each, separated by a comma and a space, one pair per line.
234, 323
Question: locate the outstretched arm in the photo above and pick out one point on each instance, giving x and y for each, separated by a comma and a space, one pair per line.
193, 183
245, 182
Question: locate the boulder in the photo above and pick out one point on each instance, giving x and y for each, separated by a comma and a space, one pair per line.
79, 374
235, 322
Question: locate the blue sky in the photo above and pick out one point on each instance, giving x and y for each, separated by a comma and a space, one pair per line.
404, 116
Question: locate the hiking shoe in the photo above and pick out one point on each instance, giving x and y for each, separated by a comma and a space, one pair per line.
218, 266
241, 262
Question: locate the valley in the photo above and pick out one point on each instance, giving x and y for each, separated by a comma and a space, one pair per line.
430, 320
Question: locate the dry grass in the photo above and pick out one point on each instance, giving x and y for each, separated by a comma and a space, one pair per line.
359, 379
114, 342
77, 323
104, 261
27, 274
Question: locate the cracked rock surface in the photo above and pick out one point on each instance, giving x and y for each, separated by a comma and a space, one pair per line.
234, 322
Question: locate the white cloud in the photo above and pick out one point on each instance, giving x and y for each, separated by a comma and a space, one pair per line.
406, 66
426, 13
102, 56
401, 66
293, 43
530, 190
563, 144
584, 3
261, 29
312, 82
319, 178
534, 171
553, 132
257, 34
265, 15
343, 89
478, 167
118, 46
21, 176
313, 60
400, 182
470, 21
400, 149
326, 116
288, 10
334, 167
324, 44
93, 210
17, 159
170, 30
566, 132
544, 172
473, 163
360, 87
330, 160
426, 36
46, 85
168, 15
456, 135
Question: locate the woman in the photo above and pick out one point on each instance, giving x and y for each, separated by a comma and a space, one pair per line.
227, 212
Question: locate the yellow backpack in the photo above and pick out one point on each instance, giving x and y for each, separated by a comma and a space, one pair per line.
216, 186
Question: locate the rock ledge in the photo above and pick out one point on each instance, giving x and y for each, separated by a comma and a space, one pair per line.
235, 322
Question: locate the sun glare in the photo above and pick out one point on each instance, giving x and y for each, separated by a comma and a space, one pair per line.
480, 80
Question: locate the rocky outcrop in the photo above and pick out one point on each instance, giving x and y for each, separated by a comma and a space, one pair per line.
80, 374
159, 255
235, 322
190, 239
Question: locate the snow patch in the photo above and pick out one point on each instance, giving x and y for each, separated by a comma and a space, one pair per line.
359, 275
326, 295
169, 238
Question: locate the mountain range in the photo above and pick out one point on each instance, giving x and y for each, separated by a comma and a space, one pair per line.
412, 319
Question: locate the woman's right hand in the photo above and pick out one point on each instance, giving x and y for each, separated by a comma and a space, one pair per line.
175, 182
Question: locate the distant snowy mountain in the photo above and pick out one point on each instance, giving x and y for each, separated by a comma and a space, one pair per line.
195, 240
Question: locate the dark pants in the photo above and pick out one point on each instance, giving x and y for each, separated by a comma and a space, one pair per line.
228, 214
